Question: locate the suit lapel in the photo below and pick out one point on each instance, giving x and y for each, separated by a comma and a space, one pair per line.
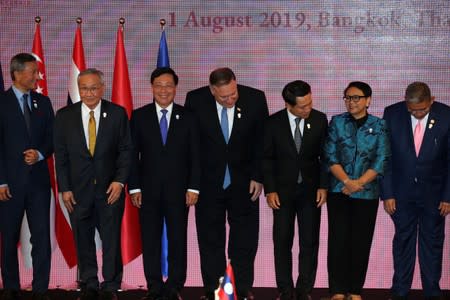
79, 126
239, 115
288, 132
15, 103
428, 134
174, 120
212, 118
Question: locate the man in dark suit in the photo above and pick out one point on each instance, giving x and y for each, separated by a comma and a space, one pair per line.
231, 120
295, 186
93, 152
164, 181
26, 130
416, 188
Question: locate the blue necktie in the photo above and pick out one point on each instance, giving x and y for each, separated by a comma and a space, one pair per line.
26, 111
163, 125
224, 126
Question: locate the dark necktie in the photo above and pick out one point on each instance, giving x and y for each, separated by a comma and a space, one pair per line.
298, 143
224, 126
163, 125
26, 112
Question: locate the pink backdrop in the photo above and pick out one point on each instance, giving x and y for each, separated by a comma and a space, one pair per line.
268, 43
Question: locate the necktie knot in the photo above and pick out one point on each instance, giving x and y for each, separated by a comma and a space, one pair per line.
164, 111
297, 121
91, 114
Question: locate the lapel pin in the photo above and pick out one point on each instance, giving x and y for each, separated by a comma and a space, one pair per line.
370, 130
177, 117
104, 115
430, 125
238, 109
35, 103
432, 121
308, 125
239, 115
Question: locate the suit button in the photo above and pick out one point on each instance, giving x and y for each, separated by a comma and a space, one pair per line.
415, 179
94, 181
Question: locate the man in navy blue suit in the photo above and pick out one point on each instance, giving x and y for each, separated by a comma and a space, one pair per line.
416, 188
26, 131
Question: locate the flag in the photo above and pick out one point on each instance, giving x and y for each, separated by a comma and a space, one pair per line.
163, 52
76, 67
41, 88
163, 61
121, 94
64, 233
227, 288
2, 85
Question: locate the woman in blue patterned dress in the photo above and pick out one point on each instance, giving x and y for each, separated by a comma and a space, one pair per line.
356, 151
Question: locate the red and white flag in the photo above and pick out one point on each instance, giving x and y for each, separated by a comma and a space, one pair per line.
41, 88
77, 66
121, 94
64, 233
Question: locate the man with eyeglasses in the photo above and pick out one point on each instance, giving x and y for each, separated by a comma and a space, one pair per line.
164, 182
416, 189
93, 152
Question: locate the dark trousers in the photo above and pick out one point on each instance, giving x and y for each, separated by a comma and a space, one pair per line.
299, 203
91, 213
418, 217
243, 219
351, 223
35, 201
152, 214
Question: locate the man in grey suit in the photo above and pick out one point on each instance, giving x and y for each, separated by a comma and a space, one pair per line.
93, 151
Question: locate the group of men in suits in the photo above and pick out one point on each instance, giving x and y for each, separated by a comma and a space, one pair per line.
216, 152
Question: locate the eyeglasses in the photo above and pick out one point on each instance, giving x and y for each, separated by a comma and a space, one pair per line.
353, 98
86, 89
160, 86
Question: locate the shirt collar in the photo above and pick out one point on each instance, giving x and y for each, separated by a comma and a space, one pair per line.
169, 108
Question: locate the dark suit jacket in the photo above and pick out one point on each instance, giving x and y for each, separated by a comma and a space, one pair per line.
431, 170
14, 139
282, 163
171, 168
244, 151
76, 169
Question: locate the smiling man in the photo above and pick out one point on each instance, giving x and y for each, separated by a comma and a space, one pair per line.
231, 120
93, 151
26, 130
164, 182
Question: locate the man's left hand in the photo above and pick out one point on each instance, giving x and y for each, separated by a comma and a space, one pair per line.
444, 207
255, 189
114, 191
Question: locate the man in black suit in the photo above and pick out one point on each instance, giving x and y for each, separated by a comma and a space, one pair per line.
164, 181
295, 186
26, 130
93, 152
231, 120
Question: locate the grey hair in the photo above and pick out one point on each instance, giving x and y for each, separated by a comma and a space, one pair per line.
92, 71
417, 92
